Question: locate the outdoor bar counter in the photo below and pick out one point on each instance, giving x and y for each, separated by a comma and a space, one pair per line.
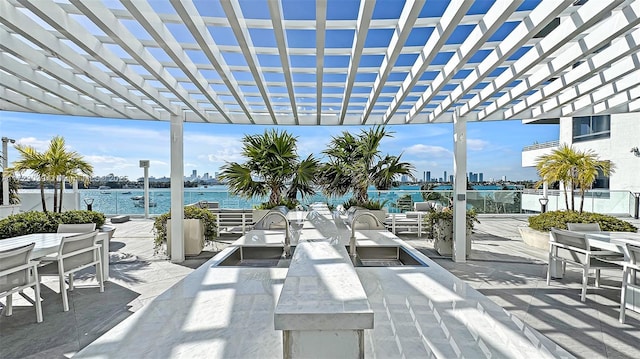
228, 312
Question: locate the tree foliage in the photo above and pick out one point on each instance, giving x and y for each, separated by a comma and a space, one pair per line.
56, 165
574, 168
272, 168
355, 162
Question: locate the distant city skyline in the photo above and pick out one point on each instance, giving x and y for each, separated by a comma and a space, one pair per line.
116, 146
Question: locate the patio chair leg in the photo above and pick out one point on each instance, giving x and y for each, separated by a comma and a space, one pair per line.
99, 276
38, 301
63, 288
9, 307
585, 280
623, 293
597, 278
70, 281
549, 267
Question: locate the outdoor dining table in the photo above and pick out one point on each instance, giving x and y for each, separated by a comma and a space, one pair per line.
612, 241
616, 242
48, 243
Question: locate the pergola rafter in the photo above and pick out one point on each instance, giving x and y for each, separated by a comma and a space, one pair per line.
148, 60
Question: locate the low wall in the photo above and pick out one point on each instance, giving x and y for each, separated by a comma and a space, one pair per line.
31, 201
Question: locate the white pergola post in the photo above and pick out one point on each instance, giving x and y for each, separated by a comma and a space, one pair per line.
459, 188
177, 189
76, 195
145, 197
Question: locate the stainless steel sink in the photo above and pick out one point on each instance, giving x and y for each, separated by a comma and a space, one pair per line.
259, 257
384, 256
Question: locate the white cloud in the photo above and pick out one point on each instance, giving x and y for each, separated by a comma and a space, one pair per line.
434, 151
226, 155
476, 144
40, 145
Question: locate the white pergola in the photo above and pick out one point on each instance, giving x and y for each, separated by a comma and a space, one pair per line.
323, 62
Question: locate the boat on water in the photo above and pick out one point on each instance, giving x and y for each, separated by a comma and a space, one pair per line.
127, 192
140, 204
104, 187
137, 198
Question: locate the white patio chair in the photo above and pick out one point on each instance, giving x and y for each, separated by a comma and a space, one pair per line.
584, 227
631, 266
573, 248
76, 252
76, 228
18, 272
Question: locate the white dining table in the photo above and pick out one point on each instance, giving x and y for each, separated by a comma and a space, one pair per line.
612, 241
48, 243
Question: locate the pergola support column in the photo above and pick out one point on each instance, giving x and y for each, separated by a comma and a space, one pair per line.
177, 189
459, 189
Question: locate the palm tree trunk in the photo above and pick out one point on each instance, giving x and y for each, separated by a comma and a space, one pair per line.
566, 196
61, 193
573, 198
55, 195
581, 200
44, 201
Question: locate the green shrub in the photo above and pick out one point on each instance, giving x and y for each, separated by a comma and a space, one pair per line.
291, 204
371, 204
40, 222
559, 219
190, 212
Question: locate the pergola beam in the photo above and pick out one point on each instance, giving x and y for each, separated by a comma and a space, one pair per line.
321, 19
603, 34
586, 16
448, 23
151, 23
495, 17
407, 19
283, 51
26, 27
520, 36
362, 28
240, 30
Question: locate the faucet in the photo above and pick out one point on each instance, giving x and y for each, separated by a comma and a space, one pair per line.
352, 240
287, 237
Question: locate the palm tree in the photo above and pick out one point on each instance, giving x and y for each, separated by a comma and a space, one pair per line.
37, 163
272, 163
64, 164
55, 165
354, 163
574, 168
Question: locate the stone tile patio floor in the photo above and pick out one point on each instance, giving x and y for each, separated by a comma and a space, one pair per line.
501, 266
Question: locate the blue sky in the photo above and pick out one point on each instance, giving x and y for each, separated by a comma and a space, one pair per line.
116, 146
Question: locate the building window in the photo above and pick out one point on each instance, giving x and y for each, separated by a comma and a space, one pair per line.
601, 182
588, 128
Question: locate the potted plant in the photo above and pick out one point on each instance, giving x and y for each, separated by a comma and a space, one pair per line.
374, 206
537, 233
199, 227
439, 224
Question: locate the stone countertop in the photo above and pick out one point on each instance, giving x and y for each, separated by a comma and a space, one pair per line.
223, 312
214, 312
322, 291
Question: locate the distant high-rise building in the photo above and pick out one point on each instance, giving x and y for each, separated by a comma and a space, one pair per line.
504, 178
428, 178
404, 178
480, 177
451, 178
445, 175
194, 174
470, 177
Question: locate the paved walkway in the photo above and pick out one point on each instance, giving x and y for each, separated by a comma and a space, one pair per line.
501, 266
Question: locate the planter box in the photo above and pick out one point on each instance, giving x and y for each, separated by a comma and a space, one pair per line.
443, 238
6, 211
193, 236
534, 238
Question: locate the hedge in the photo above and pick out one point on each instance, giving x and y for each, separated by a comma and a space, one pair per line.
40, 222
559, 219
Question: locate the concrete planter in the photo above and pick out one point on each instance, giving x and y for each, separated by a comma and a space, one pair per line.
443, 238
534, 238
193, 236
